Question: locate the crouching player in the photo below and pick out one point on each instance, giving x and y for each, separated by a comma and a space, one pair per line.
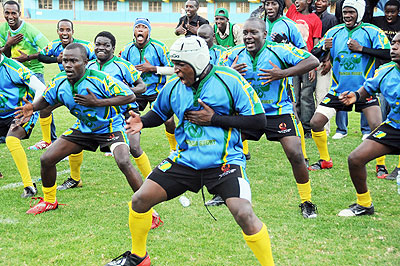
383, 140
211, 103
95, 98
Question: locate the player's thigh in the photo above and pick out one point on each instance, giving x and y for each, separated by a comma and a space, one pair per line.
149, 194
367, 151
373, 115
60, 149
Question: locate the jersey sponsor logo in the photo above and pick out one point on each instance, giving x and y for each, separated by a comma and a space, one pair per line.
112, 137
283, 128
226, 170
379, 134
88, 117
260, 88
194, 131
348, 60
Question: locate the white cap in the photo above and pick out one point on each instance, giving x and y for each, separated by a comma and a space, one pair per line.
358, 5
192, 50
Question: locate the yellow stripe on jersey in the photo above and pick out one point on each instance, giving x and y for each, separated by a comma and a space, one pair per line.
227, 145
289, 49
369, 70
244, 87
282, 87
381, 33
164, 51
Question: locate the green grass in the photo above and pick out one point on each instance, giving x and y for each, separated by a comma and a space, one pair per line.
92, 227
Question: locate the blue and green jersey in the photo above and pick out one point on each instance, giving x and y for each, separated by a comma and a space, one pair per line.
351, 69
97, 120
201, 147
289, 28
386, 81
157, 54
273, 95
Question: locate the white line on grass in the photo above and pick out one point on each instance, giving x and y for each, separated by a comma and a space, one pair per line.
8, 221
35, 178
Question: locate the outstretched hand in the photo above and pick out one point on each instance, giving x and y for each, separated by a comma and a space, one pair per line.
272, 74
347, 98
23, 113
202, 117
134, 123
87, 100
22, 58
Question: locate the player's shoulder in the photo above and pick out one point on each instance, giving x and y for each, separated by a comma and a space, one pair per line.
119, 60
158, 43
219, 48
227, 73
13, 65
128, 46
336, 28
235, 50
59, 78
288, 21
83, 42
386, 68
91, 63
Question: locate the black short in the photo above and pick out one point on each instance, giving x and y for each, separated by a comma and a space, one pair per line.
333, 102
143, 100
5, 124
227, 181
91, 142
388, 136
277, 127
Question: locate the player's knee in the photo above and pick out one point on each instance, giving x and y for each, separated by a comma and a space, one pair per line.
244, 216
314, 123
136, 150
46, 160
295, 156
354, 160
123, 161
139, 203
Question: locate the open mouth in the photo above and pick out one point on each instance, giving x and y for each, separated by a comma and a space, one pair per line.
65, 39
250, 45
140, 37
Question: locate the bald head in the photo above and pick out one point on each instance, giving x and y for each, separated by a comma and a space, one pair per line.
79, 47
256, 23
206, 32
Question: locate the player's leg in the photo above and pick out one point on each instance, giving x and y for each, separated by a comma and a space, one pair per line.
365, 152
373, 115
292, 147
121, 154
13, 142
74, 181
170, 133
55, 153
140, 156
158, 187
321, 116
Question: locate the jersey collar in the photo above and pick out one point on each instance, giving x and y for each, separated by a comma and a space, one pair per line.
351, 31
74, 87
106, 63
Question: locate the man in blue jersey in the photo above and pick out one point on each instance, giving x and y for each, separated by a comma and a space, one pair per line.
97, 101
266, 66
217, 52
125, 72
383, 140
211, 103
353, 47
151, 57
280, 28
52, 53
17, 81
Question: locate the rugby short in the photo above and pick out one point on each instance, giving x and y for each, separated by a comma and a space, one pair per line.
127, 115
143, 100
331, 104
228, 180
90, 141
5, 124
277, 127
388, 136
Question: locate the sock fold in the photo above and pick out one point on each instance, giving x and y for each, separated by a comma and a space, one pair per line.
50, 193
260, 244
321, 140
304, 191
21, 161
45, 125
139, 225
364, 199
75, 162
143, 164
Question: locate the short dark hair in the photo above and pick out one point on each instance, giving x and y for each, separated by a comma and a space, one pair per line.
65, 20
108, 35
259, 21
393, 3
196, 1
12, 3
81, 48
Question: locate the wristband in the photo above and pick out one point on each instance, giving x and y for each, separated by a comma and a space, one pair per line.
357, 95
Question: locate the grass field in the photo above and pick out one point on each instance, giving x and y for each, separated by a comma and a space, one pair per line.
92, 228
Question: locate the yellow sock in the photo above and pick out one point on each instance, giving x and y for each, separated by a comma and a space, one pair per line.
398, 166
171, 140
321, 140
260, 245
143, 164
245, 147
21, 161
139, 225
380, 160
46, 128
75, 162
304, 191
364, 199
303, 140
50, 193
